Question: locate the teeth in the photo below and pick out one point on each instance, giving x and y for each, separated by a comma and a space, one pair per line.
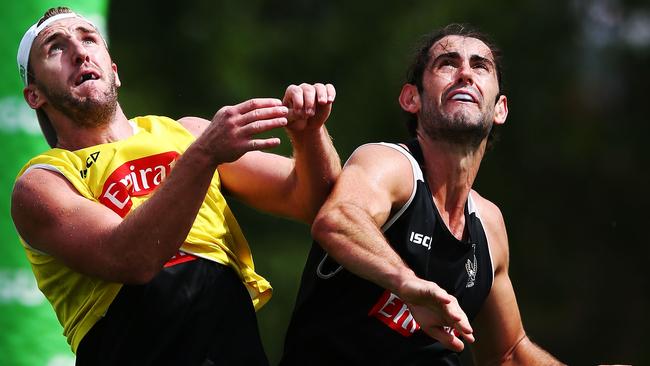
463, 97
86, 77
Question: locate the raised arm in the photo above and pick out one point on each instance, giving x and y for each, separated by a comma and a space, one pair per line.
292, 187
375, 182
90, 238
500, 335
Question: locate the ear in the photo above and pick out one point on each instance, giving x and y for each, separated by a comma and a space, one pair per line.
118, 83
409, 98
33, 96
501, 110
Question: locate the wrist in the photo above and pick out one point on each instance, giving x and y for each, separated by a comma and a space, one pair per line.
305, 131
401, 281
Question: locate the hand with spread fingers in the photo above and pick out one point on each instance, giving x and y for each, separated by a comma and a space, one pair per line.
309, 105
232, 131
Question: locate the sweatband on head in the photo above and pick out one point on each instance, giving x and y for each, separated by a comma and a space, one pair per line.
31, 34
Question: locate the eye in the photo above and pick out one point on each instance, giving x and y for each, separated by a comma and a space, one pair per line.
482, 65
55, 48
89, 41
446, 64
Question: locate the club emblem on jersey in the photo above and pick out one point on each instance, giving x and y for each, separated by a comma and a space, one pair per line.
472, 268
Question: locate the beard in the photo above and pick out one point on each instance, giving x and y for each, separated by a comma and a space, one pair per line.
460, 128
85, 112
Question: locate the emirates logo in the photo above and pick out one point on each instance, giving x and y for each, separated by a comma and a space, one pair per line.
135, 178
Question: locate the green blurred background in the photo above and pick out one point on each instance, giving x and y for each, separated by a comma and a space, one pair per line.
569, 171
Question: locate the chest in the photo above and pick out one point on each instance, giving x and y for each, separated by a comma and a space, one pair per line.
462, 268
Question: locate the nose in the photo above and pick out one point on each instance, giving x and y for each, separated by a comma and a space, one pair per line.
465, 75
79, 52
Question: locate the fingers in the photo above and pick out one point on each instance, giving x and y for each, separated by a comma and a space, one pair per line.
231, 133
331, 92
257, 116
467, 336
455, 317
254, 116
304, 99
258, 126
436, 308
263, 144
257, 103
445, 337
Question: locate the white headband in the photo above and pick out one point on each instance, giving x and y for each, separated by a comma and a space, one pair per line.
31, 34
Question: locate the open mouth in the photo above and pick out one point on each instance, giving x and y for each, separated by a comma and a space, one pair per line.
466, 94
85, 76
463, 97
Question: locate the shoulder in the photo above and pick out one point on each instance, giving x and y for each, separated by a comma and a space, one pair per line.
387, 165
489, 211
379, 171
40, 182
37, 193
195, 125
495, 229
381, 156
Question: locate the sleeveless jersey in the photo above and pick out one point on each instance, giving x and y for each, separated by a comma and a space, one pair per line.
121, 175
342, 319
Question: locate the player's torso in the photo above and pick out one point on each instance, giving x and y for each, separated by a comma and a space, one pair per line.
359, 321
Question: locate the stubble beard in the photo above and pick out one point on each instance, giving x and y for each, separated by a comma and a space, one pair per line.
460, 128
86, 112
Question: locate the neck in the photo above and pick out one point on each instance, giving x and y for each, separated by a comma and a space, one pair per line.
450, 171
72, 136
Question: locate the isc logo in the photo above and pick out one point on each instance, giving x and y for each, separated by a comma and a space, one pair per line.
421, 239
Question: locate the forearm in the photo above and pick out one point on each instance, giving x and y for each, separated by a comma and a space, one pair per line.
352, 238
154, 231
316, 167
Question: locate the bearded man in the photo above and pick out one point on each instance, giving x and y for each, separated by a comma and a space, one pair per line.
409, 261
125, 220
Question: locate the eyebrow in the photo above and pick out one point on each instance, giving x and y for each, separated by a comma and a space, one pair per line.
456, 55
80, 29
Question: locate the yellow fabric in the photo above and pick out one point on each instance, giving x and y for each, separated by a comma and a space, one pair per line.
121, 175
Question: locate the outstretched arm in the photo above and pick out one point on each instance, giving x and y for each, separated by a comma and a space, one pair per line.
375, 182
293, 187
90, 238
500, 335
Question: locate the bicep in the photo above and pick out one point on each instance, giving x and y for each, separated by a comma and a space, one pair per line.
498, 326
194, 125
53, 218
261, 180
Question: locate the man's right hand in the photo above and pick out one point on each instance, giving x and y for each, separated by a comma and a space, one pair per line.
438, 313
232, 131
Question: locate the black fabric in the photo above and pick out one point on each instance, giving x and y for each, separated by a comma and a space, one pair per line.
331, 322
193, 313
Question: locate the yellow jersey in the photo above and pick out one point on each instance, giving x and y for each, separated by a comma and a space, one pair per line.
121, 175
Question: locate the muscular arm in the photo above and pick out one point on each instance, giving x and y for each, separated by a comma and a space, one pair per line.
500, 335
292, 187
376, 181
88, 237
